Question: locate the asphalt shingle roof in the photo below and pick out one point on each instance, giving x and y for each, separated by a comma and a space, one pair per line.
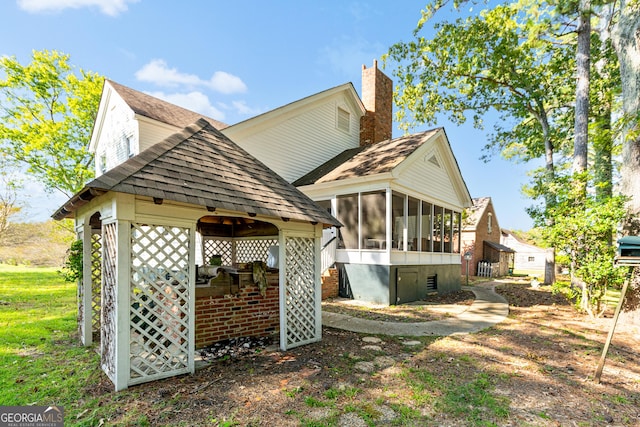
157, 109
369, 160
201, 166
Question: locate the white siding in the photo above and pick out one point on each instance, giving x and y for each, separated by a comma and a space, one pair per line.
431, 182
528, 259
118, 125
152, 132
296, 144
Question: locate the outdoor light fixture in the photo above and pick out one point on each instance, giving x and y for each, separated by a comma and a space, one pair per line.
467, 256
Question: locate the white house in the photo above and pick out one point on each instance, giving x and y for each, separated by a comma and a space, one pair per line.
400, 200
530, 259
174, 190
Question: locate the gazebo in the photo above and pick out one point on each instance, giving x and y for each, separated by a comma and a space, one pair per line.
190, 242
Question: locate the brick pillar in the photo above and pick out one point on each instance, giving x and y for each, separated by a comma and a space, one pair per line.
330, 283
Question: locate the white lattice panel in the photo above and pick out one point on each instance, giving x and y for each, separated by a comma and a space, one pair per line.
159, 312
108, 313
254, 249
96, 280
218, 247
300, 297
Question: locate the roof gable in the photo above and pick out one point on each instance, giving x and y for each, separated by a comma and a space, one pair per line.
475, 212
201, 166
146, 106
157, 109
398, 159
373, 159
281, 113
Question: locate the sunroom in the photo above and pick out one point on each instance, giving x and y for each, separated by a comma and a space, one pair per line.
400, 203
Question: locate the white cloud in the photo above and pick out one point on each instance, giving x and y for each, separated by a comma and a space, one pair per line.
194, 101
108, 7
227, 83
243, 109
158, 72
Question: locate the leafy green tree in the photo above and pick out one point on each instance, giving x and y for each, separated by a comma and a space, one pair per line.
583, 230
522, 60
10, 183
509, 60
47, 112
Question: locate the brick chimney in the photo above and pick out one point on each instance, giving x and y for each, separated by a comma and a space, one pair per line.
377, 97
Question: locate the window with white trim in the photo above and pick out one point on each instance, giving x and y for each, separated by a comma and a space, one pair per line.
343, 119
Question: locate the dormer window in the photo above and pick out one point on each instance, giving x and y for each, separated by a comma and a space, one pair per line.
103, 163
344, 119
130, 148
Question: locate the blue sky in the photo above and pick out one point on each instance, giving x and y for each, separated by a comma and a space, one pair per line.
234, 59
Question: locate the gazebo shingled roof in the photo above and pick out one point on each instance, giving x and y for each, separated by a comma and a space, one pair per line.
201, 166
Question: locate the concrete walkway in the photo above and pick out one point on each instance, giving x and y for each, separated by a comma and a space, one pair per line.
488, 309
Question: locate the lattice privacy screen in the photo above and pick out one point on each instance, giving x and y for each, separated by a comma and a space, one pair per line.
300, 296
108, 307
239, 250
96, 280
159, 312
254, 249
218, 247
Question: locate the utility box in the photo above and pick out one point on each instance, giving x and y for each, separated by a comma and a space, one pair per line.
628, 251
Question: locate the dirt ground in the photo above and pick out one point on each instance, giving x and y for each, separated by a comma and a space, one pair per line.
534, 369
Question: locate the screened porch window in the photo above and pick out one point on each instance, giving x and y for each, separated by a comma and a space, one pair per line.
457, 220
427, 227
413, 225
417, 225
448, 230
374, 230
347, 214
397, 219
438, 225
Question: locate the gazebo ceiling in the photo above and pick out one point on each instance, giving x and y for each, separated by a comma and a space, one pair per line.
225, 226
201, 166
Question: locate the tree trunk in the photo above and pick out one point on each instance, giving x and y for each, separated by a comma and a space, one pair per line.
602, 148
583, 61
626, 40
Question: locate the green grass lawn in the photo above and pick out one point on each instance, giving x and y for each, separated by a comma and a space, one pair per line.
41, 359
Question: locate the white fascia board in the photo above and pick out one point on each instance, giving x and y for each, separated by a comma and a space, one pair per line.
344, 186
103, 108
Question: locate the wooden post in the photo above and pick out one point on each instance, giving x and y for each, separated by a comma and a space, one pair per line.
598, 373
87, 285
122, 306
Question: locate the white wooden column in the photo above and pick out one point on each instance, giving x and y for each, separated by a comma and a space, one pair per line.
318, 279
282, 288
86, 282
123, 273
389, 221
193, 244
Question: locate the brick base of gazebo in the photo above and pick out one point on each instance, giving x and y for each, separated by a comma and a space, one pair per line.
246, 313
